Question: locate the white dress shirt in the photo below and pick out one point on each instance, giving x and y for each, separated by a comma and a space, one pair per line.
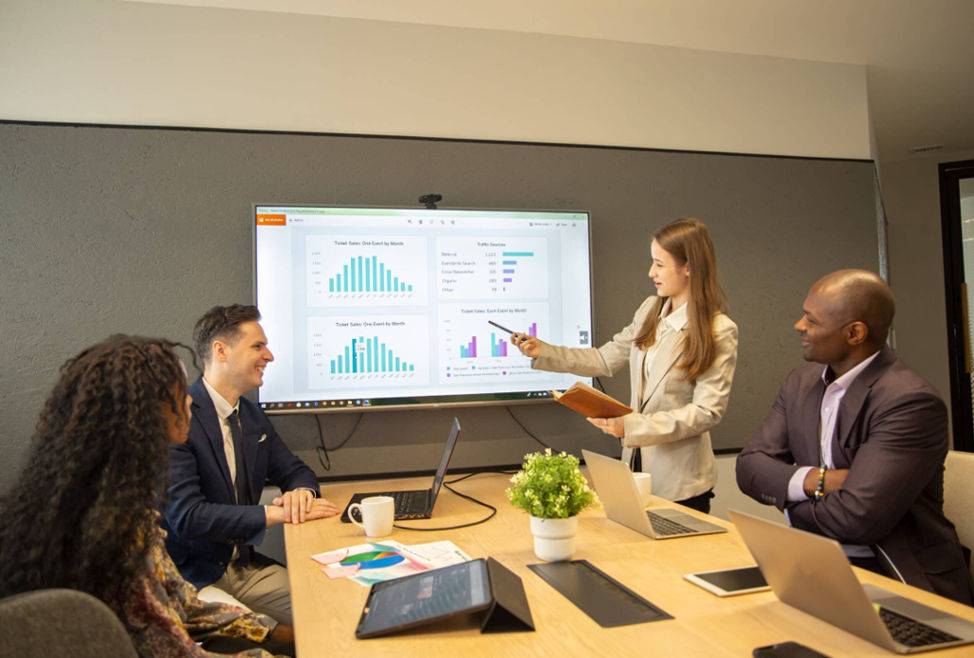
672, 321
223, 412
828, 415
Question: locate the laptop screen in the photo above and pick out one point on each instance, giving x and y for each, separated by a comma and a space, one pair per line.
451, 442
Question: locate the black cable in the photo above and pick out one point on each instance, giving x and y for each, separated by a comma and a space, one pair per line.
526, 430
493, 510
598, 382
470, 475
322, 449
342, 443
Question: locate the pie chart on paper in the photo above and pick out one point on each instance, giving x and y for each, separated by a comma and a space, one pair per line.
377, 559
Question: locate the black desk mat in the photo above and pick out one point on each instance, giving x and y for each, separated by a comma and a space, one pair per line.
607, 601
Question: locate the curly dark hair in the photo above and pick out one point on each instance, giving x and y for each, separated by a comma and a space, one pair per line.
221, 322
81, 512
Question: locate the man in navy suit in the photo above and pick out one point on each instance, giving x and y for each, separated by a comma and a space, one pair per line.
213, 516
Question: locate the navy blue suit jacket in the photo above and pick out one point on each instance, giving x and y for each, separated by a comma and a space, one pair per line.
202, 518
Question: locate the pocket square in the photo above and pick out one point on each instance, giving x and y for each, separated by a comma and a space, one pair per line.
263, 437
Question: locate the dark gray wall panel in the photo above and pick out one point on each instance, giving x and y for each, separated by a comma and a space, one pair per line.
140, 230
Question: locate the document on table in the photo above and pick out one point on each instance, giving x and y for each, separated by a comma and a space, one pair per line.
376, 562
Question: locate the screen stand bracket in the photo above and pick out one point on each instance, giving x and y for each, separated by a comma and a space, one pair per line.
509, 610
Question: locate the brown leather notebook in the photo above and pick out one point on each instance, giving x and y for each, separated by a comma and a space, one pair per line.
590, 403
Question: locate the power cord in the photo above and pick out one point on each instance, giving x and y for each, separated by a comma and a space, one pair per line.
493, 510
322, 450
526, 430
598, 382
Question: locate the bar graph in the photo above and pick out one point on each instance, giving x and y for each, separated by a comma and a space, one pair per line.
366, 271
497, 347
366, 274
469, 347
369, 355
509, 263
370, 352
495, 269
469, 351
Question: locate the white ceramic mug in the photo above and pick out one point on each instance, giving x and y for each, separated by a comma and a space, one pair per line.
644, 485
378, 514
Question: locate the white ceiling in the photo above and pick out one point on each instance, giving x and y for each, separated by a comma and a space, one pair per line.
919, 54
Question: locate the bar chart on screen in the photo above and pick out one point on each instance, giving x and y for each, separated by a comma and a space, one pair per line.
374, 353
470, 348
366, 271
492, 268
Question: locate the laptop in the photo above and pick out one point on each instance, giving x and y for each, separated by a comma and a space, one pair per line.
620, 498
416, 504
811, 573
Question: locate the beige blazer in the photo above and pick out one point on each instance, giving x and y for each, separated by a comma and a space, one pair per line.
672, 416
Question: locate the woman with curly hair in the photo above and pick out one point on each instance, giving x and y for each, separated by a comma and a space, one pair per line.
99, 462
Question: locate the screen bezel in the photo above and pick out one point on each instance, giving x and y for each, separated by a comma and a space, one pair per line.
430, 402
451, 444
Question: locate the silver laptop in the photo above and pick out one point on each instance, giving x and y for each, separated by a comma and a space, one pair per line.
811, 573
620, 498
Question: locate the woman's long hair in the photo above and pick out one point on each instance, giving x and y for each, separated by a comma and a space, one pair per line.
83, 507
688, 241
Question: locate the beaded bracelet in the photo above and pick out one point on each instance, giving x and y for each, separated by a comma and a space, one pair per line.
820, 489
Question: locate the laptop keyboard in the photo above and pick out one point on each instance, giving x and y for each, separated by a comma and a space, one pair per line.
664, 526
412, 505
911, 632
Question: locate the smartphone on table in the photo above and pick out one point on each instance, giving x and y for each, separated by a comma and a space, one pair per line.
786, 650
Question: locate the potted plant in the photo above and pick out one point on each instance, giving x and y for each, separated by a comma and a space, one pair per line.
553, 491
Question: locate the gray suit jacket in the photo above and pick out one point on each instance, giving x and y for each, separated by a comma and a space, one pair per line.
891, 434
673, 417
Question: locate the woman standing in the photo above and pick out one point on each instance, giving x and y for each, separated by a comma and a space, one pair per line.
82, 514
681, 350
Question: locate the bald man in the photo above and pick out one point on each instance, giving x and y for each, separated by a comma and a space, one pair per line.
855, 450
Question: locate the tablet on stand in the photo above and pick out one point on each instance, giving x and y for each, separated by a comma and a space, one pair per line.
477, 586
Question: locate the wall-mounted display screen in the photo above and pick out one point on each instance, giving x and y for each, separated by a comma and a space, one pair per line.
379, 307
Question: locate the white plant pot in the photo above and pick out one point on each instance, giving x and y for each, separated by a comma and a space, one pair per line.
554, 539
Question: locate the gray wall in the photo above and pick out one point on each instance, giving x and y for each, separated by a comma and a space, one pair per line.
140, 230
911, 194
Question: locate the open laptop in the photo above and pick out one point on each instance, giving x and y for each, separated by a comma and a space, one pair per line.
811, 573
620, 498
416, 504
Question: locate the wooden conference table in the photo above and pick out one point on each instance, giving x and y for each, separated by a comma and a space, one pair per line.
326, 611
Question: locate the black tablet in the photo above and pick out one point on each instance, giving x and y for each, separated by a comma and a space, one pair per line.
728, 582
425, 597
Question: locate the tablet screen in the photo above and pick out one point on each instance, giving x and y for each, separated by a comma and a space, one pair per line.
734, 580
424, 597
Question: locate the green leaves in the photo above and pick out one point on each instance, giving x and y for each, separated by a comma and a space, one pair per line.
550, 486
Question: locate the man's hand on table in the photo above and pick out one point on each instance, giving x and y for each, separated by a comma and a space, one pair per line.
299, 506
